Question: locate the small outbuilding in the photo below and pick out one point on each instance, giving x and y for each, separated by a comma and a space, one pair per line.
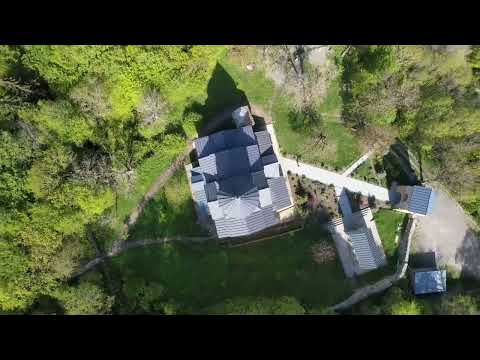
428, 281
417, 200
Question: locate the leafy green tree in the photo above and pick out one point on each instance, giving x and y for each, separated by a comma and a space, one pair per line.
84, 299
396, 303
62, 66
15, 156
459, 305
284, 305
142, 296
15, 290
190, 122
62, 119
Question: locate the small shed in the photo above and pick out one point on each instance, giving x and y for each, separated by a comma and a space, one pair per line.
428, 281
418, 200
242, 117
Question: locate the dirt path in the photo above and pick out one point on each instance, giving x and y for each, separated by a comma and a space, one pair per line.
135, 244
159, 182
156, 186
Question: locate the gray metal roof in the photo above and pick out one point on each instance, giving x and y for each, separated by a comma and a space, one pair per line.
201, 203
258, 178
253, 158
368, 255
265, 197
264, 142
231, 178
215, 210
421, 201
257, 221
223, 140
279, 191
272, 170
211, 191
269, 159
426, 282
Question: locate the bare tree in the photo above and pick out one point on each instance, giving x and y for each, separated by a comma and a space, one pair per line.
153, 108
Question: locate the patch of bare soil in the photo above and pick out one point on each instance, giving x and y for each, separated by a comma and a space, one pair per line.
323, 252
314, 199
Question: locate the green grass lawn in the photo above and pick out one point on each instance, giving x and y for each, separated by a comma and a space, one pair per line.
147, 172
342, 146
366, 172
205, 276
388, 222
170, 212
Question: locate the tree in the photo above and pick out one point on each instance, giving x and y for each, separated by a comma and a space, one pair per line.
190, 122
143, 297
152, 112
459, 304
284, 305
84, 299
91, 96
395, 303
15, 289
62, 119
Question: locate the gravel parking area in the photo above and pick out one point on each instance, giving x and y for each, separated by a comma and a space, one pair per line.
451, 235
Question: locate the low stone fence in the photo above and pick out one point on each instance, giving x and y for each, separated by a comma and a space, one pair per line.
281, 229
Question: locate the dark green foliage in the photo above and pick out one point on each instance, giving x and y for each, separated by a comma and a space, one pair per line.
258, 306
459, 304
79, 128
84, 299
425, 93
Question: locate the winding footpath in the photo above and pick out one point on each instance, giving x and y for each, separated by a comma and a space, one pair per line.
121, 244
135, 244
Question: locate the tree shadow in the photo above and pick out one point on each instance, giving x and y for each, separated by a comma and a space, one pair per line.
223, 98
304, 120
468, 254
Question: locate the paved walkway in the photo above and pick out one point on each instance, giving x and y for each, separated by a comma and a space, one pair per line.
357, 163
451, 234
329, 177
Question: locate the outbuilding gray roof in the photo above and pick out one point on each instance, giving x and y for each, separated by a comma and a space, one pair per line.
368, 255
231, 174
426, 282
422, 200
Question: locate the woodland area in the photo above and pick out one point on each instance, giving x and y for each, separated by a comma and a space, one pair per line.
85, 129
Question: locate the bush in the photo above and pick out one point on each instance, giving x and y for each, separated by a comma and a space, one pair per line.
190, 123
284, 305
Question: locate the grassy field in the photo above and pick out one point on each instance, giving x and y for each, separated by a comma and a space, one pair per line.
388, 222
146, 174
171, 212
342, 147
281, 266
202, 277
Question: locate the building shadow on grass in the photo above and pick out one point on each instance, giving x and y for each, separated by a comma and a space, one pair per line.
223, 98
